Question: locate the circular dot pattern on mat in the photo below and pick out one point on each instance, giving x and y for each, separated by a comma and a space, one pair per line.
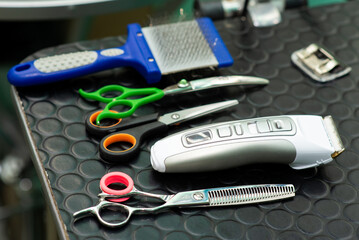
49, 126
70, 114
276, 88
332, 174
72, 203
292, 235
340, 229
352, 212
145, 179
316, 188
167, 222
198, 225
84, 149
354, 177
279, 219
339, 111
256, 55
92, 168
299, 205
76, 131
344, 193
290, 75
260, 99
93, 187
325, 206
81, 227
71, 182
63, 163
56, 144
147, 232
219, 214
177, 235
259, 232
229, 230
43, 109
348, 160
309, 224
249, 216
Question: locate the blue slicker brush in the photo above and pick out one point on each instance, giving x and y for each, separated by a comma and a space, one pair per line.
152, 51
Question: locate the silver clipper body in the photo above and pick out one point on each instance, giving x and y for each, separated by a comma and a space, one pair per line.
302, 141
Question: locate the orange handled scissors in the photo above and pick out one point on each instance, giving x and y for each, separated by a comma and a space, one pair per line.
133, 131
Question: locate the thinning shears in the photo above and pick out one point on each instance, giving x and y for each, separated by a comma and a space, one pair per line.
112, 199
132, 131
154, 94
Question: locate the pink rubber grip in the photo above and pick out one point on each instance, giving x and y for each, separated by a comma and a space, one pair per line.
116, 177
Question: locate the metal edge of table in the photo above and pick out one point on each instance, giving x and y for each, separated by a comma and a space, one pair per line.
48, 194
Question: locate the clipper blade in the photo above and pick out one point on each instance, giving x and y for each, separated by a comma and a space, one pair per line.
333, 136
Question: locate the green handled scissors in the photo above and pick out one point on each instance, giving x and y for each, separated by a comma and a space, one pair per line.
153, 94
150, 95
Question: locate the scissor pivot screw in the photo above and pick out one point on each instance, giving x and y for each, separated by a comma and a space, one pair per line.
175, 116
183, 83
198, 196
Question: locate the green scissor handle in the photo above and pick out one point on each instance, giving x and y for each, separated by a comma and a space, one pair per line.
97, 95
150, 95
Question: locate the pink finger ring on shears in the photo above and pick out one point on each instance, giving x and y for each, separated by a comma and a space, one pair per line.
110, 198
116, 177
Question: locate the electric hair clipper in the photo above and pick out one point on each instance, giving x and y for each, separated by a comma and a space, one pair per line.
302, 141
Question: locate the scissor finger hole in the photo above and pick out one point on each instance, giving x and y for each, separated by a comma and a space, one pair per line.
105, 123
119, 142
111, 94
123, 107
113, 214
117, 186
117, 179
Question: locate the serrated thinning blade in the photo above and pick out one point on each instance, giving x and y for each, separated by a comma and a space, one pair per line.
250, 194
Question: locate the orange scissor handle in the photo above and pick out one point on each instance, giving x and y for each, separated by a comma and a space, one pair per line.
119, 137
132, 138
114, 125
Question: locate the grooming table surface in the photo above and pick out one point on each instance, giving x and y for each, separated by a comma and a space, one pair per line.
326, 205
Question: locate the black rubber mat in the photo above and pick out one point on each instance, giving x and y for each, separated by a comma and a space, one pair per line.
326, 205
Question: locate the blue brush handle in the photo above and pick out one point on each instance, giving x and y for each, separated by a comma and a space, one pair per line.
135, 53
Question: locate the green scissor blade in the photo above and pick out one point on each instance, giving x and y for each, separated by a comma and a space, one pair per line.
185, 86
